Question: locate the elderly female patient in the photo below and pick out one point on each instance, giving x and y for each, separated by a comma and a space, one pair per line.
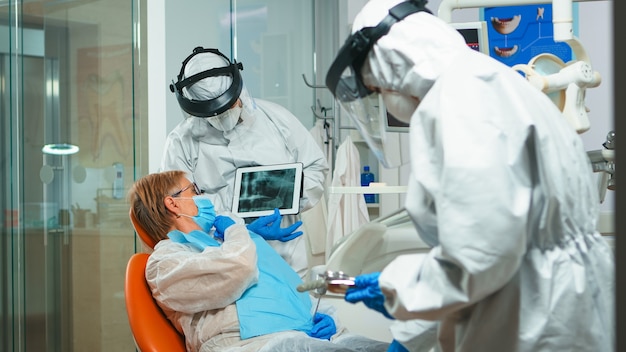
222, 285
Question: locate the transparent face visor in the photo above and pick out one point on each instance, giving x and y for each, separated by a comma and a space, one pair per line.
365, 109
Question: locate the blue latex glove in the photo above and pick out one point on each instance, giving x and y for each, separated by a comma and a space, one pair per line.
269, 228
221, 224
396, 347
367, 290
323, 326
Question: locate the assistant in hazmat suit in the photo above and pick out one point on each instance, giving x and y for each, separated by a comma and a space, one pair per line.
222, 286
500, 186
225, 129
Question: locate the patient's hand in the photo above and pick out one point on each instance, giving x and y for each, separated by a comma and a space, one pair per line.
323, 326
221, 224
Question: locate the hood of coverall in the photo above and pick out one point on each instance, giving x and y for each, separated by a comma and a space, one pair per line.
415, 52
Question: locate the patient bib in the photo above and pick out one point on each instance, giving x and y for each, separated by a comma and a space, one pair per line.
271, 305
196, 238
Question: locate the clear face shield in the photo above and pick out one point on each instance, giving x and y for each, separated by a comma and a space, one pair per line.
363, 106
344, 80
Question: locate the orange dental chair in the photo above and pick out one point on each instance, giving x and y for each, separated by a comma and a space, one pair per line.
141, 232
151, 329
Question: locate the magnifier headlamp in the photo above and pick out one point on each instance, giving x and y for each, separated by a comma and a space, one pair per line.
217, 105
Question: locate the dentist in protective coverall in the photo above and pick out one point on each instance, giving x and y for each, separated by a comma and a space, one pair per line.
500, 187
224, 129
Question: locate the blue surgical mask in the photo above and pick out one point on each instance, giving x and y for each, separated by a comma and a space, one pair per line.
206, 212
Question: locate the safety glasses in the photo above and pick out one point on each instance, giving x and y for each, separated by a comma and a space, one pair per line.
196, 190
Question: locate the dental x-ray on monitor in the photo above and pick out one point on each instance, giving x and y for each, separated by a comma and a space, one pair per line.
261, 189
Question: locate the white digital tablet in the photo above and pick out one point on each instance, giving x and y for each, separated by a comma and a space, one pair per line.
260, 189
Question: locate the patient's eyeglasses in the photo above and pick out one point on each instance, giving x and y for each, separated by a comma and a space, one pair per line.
196, 190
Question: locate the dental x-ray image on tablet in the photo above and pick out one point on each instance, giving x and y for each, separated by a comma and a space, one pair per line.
261, 189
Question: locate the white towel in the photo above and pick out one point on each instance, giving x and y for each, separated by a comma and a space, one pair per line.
346, 212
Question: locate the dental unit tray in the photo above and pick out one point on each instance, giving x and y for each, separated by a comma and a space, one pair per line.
333, 281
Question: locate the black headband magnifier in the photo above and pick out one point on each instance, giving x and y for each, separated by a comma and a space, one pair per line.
217, 105
346, 84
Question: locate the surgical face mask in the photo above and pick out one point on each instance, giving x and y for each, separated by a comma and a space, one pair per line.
400, 106
227, 120
206, 212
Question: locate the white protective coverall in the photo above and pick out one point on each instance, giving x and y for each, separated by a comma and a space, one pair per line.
268, 134
197, 291
502, 189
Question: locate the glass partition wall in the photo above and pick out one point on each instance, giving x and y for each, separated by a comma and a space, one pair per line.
74, 136
68, 118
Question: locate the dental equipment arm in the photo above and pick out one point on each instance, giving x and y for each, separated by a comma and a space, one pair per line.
575, 76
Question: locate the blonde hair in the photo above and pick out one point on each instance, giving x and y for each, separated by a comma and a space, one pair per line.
146, 199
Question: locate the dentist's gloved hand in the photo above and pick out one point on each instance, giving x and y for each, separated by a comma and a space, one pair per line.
367, 290
221, 223
396, 347
323, 326
269, 228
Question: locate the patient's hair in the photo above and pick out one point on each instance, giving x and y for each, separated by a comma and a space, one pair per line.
146, 199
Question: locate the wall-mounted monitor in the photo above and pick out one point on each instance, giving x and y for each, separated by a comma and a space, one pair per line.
475, 34
393, 124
